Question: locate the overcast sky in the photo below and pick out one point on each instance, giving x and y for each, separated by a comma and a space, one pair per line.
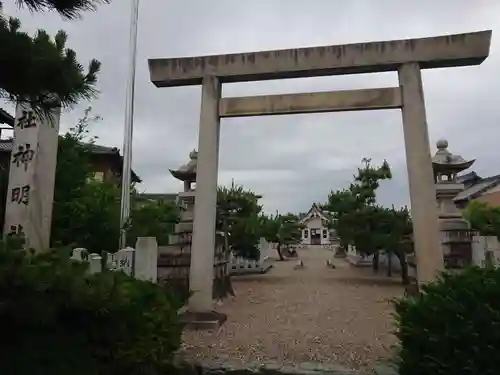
292, 161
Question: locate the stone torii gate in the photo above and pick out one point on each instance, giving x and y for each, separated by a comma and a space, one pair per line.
407, 57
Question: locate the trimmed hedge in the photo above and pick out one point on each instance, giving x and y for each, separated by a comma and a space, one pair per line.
57, 319
452, 327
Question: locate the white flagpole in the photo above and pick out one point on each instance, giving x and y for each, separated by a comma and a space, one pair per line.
129, 125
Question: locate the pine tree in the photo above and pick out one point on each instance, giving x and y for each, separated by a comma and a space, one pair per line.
359, 221
39, 69
69, 9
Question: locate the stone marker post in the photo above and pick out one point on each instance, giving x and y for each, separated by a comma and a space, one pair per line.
30, 193
80, 254
125, 260
146, 259
95, 263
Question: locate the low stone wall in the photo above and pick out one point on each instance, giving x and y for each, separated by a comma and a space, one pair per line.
483, 244
228, 368
241, 266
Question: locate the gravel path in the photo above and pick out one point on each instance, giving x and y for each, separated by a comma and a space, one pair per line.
339, 316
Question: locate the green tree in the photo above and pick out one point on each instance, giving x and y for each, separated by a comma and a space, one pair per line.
91, 219
391, 233
341, 204
41, 70
352, 221
484, 218
283, 230
372, 229
238, 217
86, 213
152, 219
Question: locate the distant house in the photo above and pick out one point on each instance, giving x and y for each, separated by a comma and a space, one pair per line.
107, 163
316, 230
477, 188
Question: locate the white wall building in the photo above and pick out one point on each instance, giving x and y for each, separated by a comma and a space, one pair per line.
316, 230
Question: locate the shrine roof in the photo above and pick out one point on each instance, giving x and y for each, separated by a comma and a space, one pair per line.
310, 214
466, 177
477, 189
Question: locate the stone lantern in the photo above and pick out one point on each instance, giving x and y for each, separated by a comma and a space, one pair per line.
174, 263
456, 239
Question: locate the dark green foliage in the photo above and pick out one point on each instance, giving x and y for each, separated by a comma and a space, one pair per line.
91, 219
283, 230
238, 215
483, 218
57, 319
381, 229
86, 213
41, 70
346, 205
452, 327
359, 221
152, 219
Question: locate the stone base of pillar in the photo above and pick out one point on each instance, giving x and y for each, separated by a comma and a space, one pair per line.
203, 320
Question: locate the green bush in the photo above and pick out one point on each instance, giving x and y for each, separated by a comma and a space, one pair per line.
57, 319
452, 327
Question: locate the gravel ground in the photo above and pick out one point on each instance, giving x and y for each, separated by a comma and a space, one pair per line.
337, 316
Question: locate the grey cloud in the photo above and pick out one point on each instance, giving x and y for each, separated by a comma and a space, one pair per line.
291, 160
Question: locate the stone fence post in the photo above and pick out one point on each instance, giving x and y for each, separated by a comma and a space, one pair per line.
146, 259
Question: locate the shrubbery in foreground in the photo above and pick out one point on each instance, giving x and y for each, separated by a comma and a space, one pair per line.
57, 319
453, 327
